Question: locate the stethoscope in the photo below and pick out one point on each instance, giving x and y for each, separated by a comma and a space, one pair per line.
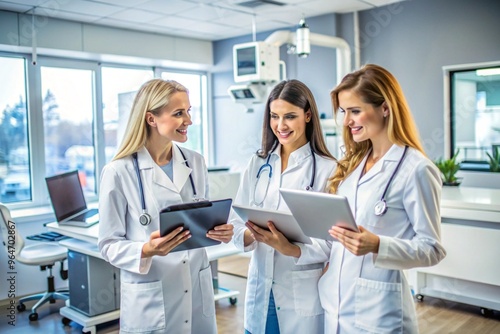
381, 205
266, 166
145, 217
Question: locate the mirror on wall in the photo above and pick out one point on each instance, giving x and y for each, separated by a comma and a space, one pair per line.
472, 113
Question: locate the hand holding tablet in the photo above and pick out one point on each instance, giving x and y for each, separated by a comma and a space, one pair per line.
317, 212
283, 221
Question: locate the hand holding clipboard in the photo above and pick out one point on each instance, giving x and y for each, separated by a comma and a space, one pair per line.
199, 218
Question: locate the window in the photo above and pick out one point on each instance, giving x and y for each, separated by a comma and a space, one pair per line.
77, 112
119, 87
474, 104
197, 86
68, 119
15, 174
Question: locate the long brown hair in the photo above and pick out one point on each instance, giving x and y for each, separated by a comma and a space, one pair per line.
152, 96
297, 93
374, 85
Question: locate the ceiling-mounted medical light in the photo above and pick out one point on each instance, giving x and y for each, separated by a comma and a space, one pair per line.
303, 48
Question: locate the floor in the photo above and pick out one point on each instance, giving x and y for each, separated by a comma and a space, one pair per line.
435, 316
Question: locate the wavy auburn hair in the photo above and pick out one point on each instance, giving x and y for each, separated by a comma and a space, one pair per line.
374, 85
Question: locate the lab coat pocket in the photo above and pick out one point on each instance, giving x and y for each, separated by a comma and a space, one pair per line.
378, 306
142, 307
207, 294
305, 292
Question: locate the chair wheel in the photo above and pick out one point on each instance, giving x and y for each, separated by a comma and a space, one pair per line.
21, 307
486, 312
420, 297
65, 321
33, 316
233, 300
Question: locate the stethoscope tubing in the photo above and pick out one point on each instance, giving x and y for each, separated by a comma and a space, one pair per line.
267, 164
381, 205
145, 218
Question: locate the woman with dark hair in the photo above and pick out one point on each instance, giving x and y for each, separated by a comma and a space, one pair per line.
281, 296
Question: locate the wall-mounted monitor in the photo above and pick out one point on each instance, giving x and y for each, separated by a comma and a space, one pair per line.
256, 62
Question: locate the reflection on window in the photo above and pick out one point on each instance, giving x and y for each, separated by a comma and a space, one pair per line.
196, 84
67, 96
15, 181
119, 86
475, 112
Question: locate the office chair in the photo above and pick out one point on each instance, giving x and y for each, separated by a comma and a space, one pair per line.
43, 254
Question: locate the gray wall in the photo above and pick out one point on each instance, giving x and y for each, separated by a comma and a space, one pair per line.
237, 133
412, 39
415, 39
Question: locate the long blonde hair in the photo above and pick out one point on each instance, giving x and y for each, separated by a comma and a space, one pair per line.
297, 93
152, 96
374, 85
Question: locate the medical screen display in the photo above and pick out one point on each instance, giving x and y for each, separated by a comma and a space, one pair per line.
246, 60
243, 94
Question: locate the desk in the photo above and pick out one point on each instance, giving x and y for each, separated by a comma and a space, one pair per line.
470, 233
85, 241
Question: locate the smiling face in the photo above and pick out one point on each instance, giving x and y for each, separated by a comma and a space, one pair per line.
288, 123
173, 120
363, 120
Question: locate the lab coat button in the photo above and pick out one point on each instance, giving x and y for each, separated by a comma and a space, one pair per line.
185, 291
278, 308
186, 321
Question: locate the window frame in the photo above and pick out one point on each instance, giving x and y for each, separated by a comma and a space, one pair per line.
449, 116
35, 130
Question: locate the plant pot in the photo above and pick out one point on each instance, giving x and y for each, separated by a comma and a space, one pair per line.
455, 183
452, 184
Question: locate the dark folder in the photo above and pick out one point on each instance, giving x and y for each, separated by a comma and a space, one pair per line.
198, 218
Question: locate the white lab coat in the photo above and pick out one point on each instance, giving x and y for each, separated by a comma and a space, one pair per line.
162, 294
370, 294
294, 286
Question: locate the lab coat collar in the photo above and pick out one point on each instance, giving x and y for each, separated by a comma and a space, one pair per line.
181, 171
393, 155
296, 157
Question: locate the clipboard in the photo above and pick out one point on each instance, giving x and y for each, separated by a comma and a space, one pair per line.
317, 212
284, 221
198, 218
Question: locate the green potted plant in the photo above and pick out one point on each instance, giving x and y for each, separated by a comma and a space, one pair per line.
449, 169
494, 160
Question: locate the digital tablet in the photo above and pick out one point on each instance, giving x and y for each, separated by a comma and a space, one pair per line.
198, 218
317, 212
284, 221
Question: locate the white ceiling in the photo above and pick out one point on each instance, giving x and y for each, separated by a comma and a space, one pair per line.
203, 19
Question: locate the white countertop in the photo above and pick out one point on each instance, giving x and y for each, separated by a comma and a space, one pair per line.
471, 198
473, 204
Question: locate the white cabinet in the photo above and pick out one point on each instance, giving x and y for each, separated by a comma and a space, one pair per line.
470, 232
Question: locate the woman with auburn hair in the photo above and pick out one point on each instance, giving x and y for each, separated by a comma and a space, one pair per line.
394, 192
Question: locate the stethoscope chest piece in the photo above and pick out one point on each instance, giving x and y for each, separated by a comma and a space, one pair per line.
145, 219
380, 207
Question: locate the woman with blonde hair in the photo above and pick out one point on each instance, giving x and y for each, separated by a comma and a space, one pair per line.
394, 192
161, 291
